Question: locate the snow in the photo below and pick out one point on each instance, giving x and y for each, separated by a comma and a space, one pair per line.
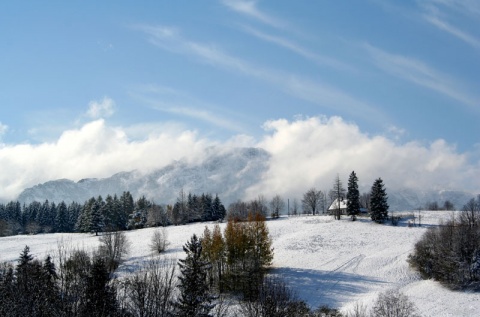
338, 263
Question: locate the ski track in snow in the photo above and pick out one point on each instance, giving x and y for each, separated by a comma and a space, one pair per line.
338, 263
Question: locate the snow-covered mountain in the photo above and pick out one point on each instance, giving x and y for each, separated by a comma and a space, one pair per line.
228, 173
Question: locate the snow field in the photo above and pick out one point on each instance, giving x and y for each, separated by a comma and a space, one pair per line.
338, 263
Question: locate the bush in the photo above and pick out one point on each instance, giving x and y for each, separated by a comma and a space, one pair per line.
451, 253
392, 303
274, 299
113, 249
159, 240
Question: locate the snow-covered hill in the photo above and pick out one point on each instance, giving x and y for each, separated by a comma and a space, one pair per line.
229, 173
338, 263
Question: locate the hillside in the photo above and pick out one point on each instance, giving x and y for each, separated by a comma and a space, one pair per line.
329, 262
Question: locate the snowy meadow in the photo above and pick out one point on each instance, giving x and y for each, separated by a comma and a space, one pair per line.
326, 262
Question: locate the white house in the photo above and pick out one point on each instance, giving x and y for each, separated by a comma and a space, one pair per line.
343, 207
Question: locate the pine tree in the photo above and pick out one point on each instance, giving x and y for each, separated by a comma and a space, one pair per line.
378, 202
353, 196
219, 210
100, 296
96, 223
61, 219
195, 299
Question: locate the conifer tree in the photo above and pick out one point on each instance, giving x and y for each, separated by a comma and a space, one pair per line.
61, 219
378, 202
195, 299
353, 196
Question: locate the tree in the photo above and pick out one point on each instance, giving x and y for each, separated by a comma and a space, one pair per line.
114, 247
61, 219
100, 296
277, 205
353, 196
378, 202
392, 303
294, 207
195, 299
312, 201
337, 193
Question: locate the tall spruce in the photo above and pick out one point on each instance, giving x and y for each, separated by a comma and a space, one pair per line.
378, 202
195, 299
353, 196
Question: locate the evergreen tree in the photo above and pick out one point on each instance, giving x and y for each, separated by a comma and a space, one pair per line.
61, 219
100, 296
219, 210
195, 299
378, 202
353, 196
96, 222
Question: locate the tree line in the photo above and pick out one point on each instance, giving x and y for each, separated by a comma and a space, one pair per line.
109, 214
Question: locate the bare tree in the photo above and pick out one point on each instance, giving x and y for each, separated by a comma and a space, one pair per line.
277, 205
159, 240
149, 292
471, 213
295, 207
312, 201
365, 201
114, 246
337, 194
392, 303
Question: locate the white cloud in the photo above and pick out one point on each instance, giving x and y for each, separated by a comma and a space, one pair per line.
310, 152
305, 152
101, 109
94, 150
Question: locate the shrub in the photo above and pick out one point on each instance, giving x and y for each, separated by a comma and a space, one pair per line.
114, 246
450, 253
159, 240
392, 303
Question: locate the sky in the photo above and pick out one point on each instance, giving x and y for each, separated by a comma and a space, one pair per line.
387, 88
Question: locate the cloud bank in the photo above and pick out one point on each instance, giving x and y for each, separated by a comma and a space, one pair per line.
311, 151
305, 152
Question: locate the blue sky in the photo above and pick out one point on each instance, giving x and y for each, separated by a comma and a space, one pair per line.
224, 70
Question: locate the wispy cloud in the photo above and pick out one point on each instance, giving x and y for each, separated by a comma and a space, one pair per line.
172, 101
3, 129
318, 59
314, 91
455, 31
438, 12
101, 109
250, 9
421, 74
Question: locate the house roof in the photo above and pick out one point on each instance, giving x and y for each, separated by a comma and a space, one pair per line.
334, 205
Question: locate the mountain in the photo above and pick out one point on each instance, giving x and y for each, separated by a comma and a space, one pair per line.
228, 174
